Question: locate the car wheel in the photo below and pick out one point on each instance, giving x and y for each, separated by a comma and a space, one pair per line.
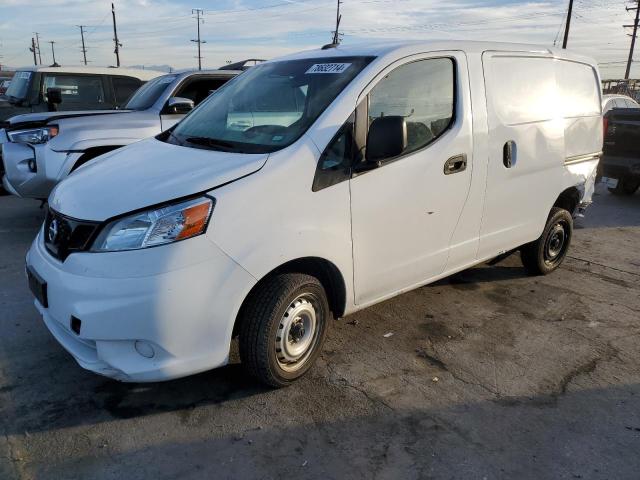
283, 326
625, 187
546, 253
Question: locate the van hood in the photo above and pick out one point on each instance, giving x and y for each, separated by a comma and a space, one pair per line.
144, 174
42, 118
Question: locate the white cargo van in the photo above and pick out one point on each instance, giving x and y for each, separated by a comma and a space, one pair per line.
311, 187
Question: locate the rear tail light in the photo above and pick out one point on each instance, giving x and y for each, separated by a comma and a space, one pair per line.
605, 126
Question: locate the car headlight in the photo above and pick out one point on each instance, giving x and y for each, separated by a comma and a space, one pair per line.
34, 135
160, 226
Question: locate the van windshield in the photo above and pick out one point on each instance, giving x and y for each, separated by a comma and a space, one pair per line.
19, 86
269, 106
147, 94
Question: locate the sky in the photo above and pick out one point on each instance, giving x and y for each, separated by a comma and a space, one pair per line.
159, 32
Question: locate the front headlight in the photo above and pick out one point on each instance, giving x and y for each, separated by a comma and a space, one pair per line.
167, 224
34, 135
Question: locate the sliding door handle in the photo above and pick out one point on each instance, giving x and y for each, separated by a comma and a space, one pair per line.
509, 154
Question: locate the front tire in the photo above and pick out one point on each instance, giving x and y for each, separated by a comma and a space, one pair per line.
545, 254
283, 325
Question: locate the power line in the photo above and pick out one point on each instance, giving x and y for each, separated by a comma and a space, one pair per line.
198, 12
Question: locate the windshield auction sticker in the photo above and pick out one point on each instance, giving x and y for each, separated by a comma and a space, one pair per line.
328, 68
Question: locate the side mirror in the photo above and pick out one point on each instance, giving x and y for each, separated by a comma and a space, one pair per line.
54, 98
180, 105
387, 138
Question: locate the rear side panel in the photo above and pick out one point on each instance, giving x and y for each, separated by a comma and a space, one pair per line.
522, 114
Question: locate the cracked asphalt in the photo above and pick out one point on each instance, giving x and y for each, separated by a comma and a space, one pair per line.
490, 374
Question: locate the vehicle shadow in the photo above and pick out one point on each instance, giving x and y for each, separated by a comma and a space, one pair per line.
520, 437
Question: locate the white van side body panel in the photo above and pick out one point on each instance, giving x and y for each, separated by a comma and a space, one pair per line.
528, 103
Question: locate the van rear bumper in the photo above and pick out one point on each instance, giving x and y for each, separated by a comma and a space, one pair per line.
620, 167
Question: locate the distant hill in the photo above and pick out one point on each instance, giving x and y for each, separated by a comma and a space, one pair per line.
157, 68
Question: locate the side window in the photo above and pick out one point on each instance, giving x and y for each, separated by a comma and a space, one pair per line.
79, 91
630, 103
423, 92
200, 88
335, 162
124, 87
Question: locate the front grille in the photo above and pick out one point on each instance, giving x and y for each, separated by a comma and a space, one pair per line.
64, 235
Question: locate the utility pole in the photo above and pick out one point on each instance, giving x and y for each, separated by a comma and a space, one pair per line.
566, 28
53, 53
33, 49
633, 37
38, 45
115, 36
198, 12
336, 33
84, 50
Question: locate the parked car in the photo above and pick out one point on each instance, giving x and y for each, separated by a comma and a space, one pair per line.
43, 148
311, 187
4, 84
609, 102
44, 89
620, 164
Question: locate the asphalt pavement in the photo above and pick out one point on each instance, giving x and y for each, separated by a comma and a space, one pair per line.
490, 374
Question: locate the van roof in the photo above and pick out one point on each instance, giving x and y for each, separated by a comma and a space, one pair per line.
139, 73
400, 49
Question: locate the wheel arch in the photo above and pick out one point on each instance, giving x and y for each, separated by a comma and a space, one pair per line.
568, 200
324, 270
91, 153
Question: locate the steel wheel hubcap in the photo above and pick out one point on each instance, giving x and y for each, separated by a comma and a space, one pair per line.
555, 242
296, 333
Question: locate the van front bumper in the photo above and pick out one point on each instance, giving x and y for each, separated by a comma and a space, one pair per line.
145, 315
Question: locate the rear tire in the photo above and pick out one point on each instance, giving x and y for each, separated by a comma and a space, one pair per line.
545, 254
625, 187
283, 325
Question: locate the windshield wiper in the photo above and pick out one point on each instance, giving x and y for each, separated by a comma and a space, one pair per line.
212, 143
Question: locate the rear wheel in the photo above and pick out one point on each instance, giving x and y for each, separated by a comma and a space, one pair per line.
546, 253
626, 186
283, 326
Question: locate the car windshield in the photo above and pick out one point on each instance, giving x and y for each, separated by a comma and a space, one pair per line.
147, 95
19, 85
269, 106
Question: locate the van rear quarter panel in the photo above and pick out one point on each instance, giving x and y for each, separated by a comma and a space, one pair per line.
550, 108
521, 96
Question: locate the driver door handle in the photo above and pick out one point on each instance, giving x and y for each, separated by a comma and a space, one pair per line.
455, 164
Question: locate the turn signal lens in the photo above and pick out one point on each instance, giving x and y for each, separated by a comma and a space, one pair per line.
195, 220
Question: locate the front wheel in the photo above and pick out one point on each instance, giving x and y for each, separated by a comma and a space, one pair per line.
545, 254
283, 326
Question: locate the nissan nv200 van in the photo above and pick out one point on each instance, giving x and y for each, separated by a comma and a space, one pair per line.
310, 187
